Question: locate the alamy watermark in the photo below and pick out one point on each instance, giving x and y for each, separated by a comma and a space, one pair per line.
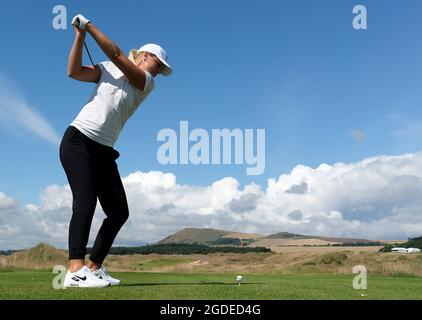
60, 20
360, 282
360, 21
176, 149
58, 281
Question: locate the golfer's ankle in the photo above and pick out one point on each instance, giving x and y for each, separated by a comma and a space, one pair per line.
93, 265
75, 265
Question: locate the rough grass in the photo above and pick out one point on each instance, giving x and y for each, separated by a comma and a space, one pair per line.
336, 258
293, 261
38, 285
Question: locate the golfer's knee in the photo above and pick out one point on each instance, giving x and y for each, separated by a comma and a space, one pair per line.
122, 216
117, 214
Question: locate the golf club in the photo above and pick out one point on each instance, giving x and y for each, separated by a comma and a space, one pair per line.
76, 24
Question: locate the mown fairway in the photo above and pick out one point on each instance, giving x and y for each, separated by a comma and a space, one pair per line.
38, 285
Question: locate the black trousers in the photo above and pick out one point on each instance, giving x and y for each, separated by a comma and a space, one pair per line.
92, 173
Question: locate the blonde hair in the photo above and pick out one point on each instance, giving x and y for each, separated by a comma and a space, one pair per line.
133, 54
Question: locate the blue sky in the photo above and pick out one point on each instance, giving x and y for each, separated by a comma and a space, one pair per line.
294, 68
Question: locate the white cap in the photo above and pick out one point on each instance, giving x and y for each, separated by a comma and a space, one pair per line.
158, 51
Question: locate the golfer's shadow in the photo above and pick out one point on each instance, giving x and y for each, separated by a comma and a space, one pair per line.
185, 284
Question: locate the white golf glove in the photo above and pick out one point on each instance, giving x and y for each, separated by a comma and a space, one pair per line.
80, 21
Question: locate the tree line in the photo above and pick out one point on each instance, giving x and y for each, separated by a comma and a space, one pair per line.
181, 248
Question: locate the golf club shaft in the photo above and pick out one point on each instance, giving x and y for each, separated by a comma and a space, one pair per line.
89, 55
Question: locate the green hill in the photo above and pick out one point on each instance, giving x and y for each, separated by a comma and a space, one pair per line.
193, 235
42, 256
294, 236
219, 237
287, 235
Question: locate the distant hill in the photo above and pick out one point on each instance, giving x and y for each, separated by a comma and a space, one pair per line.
215, 237
241, 235
292, 236
287, 235
347, 240
42, 256
193, 235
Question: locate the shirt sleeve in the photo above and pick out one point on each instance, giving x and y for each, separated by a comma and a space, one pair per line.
103, 67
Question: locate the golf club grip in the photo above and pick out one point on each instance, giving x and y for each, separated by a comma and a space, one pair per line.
76, 23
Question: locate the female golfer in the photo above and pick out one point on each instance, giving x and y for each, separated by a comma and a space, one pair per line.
86, 150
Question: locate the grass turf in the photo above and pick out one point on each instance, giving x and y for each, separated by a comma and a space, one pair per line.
17, 284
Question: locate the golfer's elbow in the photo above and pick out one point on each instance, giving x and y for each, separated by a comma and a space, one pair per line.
71, 73
74, 67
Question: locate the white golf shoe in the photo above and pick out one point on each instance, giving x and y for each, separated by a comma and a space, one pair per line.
84, 278
104, 275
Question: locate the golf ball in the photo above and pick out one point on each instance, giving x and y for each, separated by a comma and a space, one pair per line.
239, 278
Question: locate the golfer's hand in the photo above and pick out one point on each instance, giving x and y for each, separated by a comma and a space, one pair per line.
80, 21
79, 32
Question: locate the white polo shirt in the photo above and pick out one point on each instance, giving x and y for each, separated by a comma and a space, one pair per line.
111, 104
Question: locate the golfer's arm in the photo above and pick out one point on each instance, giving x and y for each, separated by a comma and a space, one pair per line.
134, 74
75, 69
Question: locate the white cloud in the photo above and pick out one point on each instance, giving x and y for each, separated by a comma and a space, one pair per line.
6, 202
376, 198
16, 115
